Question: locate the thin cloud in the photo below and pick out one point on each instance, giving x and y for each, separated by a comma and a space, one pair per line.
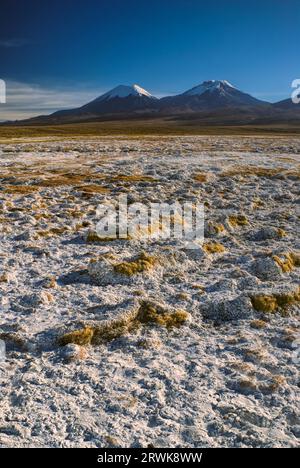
14, 42
24, 100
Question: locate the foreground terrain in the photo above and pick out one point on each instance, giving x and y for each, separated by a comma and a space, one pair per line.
143, 127
130, 343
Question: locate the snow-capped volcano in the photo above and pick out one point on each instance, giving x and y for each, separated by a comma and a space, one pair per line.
211, 86
123, 91
212, 94
120, 101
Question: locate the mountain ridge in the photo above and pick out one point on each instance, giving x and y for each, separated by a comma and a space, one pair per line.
211, 99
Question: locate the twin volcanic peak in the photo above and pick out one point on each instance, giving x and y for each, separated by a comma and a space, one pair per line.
213, 99
130, 100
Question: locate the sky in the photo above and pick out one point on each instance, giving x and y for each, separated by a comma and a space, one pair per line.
63, 53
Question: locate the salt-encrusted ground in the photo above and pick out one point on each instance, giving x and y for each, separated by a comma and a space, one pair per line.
228, 376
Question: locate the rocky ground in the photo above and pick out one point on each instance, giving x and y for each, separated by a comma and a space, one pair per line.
133, 343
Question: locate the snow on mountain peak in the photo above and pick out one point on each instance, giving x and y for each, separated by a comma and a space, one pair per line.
210, 85
123, 91
141, 91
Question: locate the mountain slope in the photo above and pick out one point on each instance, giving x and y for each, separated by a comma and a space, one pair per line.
287, 104
209, 95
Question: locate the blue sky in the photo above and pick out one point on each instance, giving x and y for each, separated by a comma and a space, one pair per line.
62, 53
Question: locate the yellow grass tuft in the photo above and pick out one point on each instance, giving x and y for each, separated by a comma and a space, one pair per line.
264, 303
281, 232
213, 247
287, 261
277, 301
217, 228
81, 337
200, 177
150, 313
286, 299
238, 220
141, 264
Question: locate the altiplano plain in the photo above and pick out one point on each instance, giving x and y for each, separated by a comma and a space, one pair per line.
129, 343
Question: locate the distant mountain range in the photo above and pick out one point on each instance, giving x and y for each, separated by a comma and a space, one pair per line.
212, 101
